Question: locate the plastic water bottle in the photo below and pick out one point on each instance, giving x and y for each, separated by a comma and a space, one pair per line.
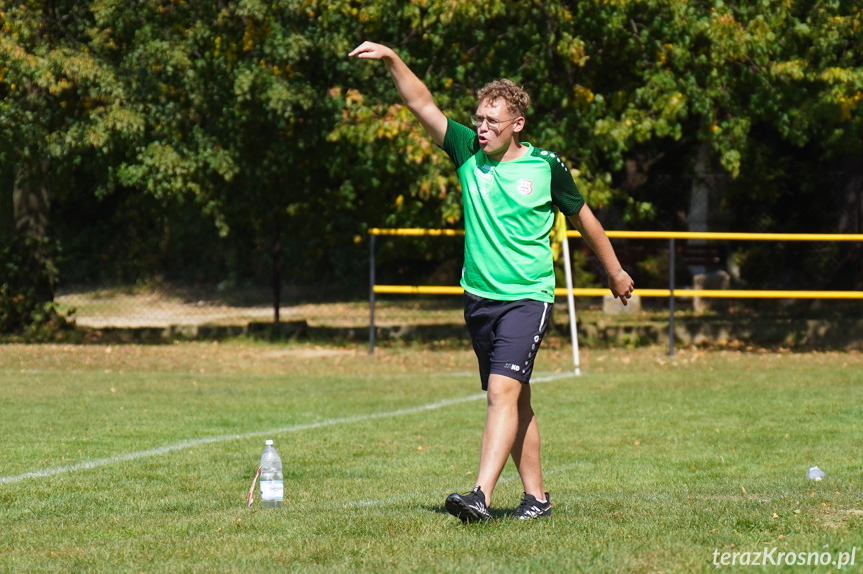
272, 480
815, 474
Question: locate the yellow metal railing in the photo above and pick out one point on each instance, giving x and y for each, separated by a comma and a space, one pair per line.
670, 293
715, 235
664, 293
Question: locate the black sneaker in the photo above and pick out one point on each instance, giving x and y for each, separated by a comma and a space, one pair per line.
468, 507
530, 507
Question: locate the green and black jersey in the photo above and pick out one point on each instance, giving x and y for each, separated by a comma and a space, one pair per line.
508, 216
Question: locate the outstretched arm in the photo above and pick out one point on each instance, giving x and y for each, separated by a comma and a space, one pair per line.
619, 281
415, 94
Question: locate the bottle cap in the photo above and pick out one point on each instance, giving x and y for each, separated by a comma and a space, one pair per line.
269, 442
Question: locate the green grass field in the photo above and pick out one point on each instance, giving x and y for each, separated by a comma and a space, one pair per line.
138, 459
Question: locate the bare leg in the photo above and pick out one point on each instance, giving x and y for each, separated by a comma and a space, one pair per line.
501, 430
525, 449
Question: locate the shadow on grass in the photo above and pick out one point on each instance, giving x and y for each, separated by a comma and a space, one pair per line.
496, 513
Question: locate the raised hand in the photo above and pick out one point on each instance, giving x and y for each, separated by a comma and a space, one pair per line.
372, 51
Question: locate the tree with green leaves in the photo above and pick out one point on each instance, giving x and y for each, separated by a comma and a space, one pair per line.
61, 105
631, 88
245, 115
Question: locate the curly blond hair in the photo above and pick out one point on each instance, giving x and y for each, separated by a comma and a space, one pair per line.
516, 99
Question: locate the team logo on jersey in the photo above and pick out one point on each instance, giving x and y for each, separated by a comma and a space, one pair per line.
524, 186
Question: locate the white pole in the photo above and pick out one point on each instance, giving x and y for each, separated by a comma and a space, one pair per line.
570, 301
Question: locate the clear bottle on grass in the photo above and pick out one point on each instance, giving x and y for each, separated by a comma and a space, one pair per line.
272, 480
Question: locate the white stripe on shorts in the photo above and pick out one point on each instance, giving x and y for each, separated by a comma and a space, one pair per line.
542, 322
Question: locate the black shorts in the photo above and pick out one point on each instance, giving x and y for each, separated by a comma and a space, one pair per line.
506, 335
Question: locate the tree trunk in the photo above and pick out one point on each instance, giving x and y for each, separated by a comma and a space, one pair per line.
699, 200
31, 207
851, 210
705, 275
7, 222
277, 268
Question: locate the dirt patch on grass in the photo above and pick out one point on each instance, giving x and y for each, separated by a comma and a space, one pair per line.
130, 308
308, 353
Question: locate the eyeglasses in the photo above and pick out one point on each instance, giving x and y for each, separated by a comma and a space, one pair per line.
492, 124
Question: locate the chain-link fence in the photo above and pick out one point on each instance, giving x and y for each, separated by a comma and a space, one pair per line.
719, 203
163, 305
728, 205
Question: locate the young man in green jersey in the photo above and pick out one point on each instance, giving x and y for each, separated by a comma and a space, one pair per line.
509, 191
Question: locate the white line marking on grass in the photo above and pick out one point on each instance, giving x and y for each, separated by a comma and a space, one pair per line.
96, 463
